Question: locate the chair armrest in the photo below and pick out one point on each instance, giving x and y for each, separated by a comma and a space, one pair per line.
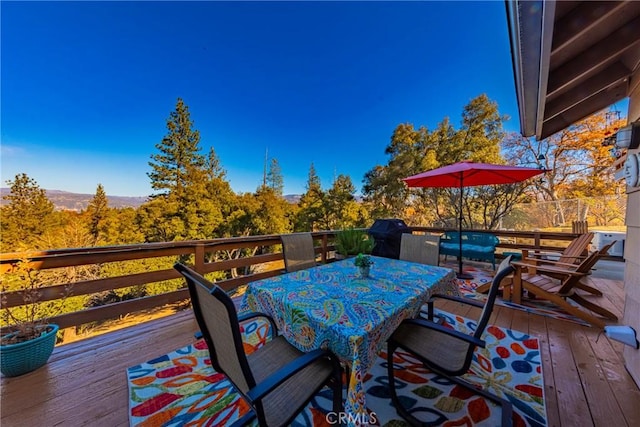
557, 263
251, 315
467, 301
548, 268
284, 373
533, 256
451, 332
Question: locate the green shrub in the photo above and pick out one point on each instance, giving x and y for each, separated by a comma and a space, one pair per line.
353, 242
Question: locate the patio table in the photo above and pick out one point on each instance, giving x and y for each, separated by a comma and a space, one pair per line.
330, 306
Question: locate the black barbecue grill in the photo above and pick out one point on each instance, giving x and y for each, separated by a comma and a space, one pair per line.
387, 234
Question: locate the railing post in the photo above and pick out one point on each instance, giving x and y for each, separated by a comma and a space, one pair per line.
199, 258
536, 240
323, 256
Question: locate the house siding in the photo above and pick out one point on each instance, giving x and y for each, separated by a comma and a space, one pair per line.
632, 255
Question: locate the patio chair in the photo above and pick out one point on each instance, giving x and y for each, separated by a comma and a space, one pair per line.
572, 254
581, 285
424, 249
444, 350
276, 380
539, 284
298, 251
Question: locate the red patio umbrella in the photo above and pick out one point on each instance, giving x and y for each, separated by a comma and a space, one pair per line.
469, 174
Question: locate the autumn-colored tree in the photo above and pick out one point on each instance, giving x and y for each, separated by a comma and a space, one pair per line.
577, 162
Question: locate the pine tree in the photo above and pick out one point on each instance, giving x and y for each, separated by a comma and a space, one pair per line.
312, 213
275, 180
97, 210
27, 216
179, 153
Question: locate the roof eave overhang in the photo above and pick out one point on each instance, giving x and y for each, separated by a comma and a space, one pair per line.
530, 33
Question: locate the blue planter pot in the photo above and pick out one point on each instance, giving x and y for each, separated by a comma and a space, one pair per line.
20, 358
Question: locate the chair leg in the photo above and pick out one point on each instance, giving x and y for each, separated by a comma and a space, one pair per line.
338, 406
391, 348
562, 303
589, 289
593, 307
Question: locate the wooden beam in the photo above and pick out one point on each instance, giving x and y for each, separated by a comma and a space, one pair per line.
569, 73
581, 20
615, 74
584, 109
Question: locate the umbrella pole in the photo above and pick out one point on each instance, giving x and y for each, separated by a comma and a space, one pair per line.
461, 274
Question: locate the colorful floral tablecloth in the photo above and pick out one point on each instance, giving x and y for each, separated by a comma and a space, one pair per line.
330, 306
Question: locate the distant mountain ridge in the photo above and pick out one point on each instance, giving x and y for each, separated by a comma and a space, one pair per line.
65, 200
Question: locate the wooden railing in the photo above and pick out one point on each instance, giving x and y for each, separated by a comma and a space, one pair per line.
197, 253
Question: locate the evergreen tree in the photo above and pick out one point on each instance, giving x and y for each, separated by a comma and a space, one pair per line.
178, 153
312, 209
275, 180
27, 216
97, 211
185, 207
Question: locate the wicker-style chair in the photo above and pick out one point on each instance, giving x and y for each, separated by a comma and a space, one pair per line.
276, 380
444, 350
298, 251
424, 249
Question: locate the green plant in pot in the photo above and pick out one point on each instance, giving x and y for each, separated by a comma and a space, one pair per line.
27, 338
364, 263
351, 242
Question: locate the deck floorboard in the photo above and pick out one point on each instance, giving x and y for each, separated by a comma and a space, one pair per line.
84, 382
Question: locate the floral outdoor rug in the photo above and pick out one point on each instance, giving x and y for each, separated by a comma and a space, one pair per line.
182, 389
482, 275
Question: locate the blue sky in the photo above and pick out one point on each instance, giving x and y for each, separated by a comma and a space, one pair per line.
87, 86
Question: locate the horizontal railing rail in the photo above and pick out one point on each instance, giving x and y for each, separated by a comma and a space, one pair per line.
198, 252
202, 255
517, 240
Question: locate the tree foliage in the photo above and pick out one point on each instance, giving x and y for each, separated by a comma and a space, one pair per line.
412, 151
577, 162
28, 215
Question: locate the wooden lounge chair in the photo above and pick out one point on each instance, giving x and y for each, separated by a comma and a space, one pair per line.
277, 380
445, 350
572, 254
298, 251
538, 283
424, 249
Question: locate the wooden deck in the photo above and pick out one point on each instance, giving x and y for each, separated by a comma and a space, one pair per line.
84, 383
